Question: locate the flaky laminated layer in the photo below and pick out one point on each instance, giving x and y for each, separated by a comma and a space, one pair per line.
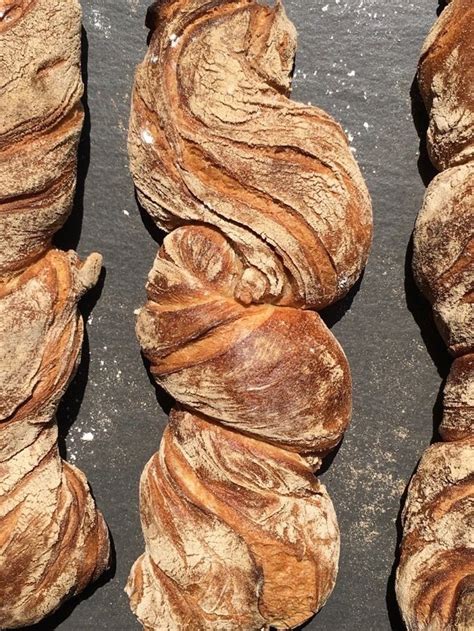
239, 534
443, 260
446, 80
214, 138
40, 123
435, 577
53, 540
269, 216
274, 372
458, 400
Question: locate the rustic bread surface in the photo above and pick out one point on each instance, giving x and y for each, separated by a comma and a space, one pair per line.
268, 217
53, 540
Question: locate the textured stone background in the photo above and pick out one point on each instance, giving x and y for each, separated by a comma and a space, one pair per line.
356, 59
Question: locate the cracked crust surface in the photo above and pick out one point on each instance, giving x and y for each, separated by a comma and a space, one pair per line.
435, 577
268, 217
53, 540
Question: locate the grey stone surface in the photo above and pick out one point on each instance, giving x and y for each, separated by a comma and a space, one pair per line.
356, 59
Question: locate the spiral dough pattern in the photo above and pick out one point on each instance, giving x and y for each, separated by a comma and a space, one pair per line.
53, 540
435, 578
269, 220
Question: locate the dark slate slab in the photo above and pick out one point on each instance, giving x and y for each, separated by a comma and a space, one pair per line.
356, 59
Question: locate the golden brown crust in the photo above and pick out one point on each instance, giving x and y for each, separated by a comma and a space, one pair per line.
458, 402
275, 176
235, 367
446, 80
53, 540
233, 363
435, 577
443, 260
257, 515
268, 215
436, 571
40, 125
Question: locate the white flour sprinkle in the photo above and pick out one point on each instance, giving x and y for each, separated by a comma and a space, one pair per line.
133, 4
147, 137
87, 436
343, 282
174, 39
100, 23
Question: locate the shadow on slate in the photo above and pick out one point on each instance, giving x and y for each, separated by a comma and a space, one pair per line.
68, 238
422, 313
155, 233
442, 4
394, 615
417, 304
420, 119
330, 316
70, 404
164, 400
335, 312
328, 460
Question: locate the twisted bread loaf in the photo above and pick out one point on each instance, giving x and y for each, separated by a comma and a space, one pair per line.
53, 541
269, 216
435, 579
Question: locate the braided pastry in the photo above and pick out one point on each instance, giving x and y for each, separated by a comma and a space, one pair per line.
53, 541
268, 216
435, 578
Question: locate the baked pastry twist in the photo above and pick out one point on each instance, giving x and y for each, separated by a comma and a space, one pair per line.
269, 217
435, 578
53, 541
